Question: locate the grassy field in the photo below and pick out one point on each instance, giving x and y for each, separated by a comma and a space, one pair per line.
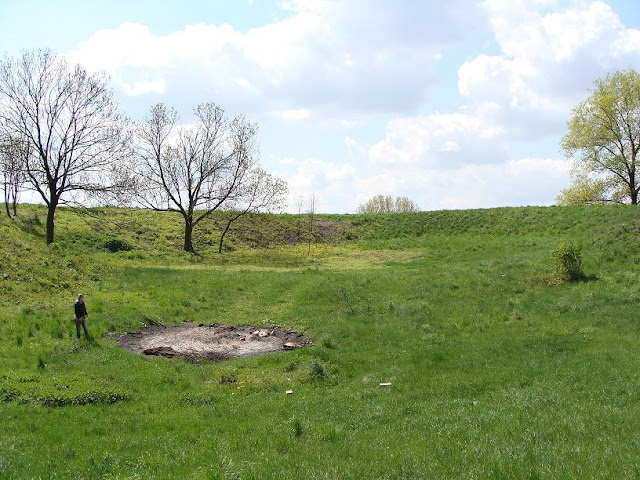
496, 370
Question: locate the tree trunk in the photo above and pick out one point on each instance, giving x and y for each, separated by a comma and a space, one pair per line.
631, 183
310, 239
188, 235
6, 200
14, 194
51, 211
224, 232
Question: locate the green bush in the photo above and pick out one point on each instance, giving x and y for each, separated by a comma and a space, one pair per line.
58, 391
7, 393
296, 427
567, 262
316, 371
116, 245
229, 378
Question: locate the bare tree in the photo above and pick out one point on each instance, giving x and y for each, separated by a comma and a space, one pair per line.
70, 121
377, 204
311, 213
404, 204
387, 204
13, 157
259, 192
198, 169
300, 205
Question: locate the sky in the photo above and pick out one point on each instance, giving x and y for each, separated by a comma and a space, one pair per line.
456, 104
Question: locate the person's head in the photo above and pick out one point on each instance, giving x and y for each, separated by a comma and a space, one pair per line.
81, 297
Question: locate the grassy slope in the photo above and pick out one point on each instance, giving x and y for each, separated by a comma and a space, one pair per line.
495, 372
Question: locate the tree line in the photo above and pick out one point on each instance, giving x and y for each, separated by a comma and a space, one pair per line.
63, 136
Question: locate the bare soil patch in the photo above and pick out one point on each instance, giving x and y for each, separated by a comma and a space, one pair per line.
210, 342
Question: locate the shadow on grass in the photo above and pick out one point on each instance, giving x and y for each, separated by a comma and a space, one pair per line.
548, 279
584, 278
32, 225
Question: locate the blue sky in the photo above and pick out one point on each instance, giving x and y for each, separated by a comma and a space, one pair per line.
457, 104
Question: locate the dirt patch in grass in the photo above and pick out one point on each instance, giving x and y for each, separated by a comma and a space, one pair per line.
210, 342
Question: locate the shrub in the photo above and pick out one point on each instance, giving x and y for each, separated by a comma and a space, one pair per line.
7, 393
327, 342
291, 367
316, 371
115, 245
296, 427
567, 262
229, 378
58, 391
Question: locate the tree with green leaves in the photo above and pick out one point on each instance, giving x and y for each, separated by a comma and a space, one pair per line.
586, 190
603, 138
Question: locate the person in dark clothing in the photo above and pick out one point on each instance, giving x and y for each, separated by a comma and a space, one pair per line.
81, 315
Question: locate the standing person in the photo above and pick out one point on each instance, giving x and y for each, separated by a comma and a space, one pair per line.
80, 316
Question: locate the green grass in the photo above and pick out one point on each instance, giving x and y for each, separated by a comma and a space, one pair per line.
496, 371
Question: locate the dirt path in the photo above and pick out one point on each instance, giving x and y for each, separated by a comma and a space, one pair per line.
210, 342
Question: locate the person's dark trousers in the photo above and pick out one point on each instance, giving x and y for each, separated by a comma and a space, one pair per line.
84, 326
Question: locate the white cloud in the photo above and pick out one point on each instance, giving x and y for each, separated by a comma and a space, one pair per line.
310, 171
341, 188
450, 146
340, 64
354, 148
437, 139
627, 43
527, 181
548, 60
331, 182
362, 56
143, 87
